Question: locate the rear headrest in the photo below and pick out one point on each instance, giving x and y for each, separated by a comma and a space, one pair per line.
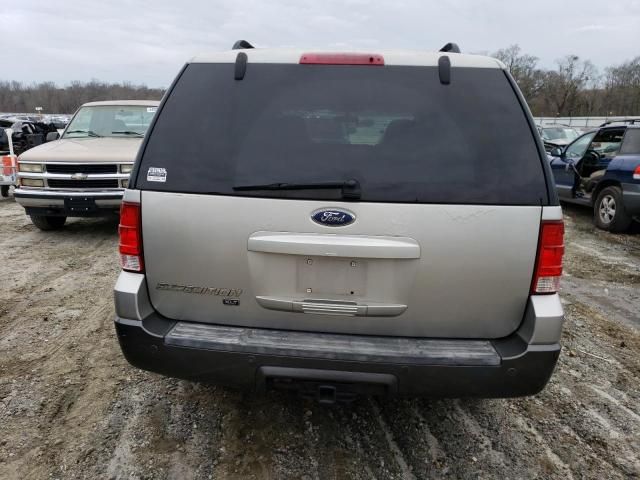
398, 130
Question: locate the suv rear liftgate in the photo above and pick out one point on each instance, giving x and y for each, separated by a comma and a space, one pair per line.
343, 228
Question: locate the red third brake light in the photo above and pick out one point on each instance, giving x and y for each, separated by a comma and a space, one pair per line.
341, 59
130, 230
549, 261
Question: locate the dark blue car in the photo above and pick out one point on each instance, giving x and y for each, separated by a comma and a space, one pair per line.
601, 169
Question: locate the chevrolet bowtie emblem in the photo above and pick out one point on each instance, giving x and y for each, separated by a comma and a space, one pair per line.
79, 176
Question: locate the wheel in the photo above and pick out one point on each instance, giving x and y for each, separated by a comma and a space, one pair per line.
45, 222
4, 190
608, 211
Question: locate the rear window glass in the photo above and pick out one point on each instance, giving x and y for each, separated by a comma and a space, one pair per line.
398, 131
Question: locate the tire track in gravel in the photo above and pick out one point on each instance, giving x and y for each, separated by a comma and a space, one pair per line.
393, 446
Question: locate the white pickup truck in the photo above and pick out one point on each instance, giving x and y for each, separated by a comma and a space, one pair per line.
85, 172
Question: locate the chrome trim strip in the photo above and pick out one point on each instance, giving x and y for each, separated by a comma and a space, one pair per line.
41, 192
69, 176
84, 162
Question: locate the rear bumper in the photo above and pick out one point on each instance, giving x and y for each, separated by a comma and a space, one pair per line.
259, 359
631, 198
520, 369
58, 202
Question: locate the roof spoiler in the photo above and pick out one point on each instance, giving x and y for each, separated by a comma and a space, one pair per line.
451, 48
241, 45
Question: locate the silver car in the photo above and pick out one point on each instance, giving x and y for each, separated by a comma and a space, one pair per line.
340, 224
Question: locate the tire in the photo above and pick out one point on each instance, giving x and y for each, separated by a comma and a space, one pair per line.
4, 190
608, 211
45, 223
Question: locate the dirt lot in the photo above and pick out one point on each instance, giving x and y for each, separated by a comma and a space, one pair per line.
71, 407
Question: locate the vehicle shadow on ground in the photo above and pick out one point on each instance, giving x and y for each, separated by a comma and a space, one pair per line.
107, 225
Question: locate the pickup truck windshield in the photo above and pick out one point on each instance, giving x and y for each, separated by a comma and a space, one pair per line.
396, 129
110, 121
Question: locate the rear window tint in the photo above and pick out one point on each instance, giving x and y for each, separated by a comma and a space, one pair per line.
631, 142
397, 130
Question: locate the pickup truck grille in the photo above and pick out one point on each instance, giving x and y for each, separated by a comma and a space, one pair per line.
83, 183
81, 168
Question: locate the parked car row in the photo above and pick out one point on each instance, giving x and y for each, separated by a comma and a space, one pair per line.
26, 134
60, 121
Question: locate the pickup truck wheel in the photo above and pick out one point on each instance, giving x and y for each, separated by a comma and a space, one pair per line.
608, 211
44, 222
4, 190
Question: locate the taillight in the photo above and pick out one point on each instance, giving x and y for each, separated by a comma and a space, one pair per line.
549, 262
636, 173
341, 59
130, 230
8, 165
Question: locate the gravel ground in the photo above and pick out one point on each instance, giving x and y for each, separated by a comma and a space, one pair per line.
71, 407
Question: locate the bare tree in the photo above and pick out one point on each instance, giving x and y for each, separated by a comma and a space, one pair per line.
524, 69
564, 86
17, 97
622, 88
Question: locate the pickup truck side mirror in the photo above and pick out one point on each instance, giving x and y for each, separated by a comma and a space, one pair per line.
51, 136
556, 152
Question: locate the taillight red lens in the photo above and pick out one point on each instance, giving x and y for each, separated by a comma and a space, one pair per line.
549, 262
130, 230
8, 165
636, 173
341, 59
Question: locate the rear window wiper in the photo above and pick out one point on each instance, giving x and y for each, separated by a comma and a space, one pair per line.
90, 133
350, 188
129, 132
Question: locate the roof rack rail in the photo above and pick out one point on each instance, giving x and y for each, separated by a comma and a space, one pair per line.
241, 45
451, 47
632, 121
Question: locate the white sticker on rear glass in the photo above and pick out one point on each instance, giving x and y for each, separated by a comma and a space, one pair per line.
155, 174
152, 109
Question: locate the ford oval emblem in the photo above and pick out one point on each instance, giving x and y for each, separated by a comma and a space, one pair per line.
333, 217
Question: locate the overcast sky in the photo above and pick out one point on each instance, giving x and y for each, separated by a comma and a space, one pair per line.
144, 41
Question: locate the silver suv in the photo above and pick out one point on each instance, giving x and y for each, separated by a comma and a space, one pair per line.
340, 224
